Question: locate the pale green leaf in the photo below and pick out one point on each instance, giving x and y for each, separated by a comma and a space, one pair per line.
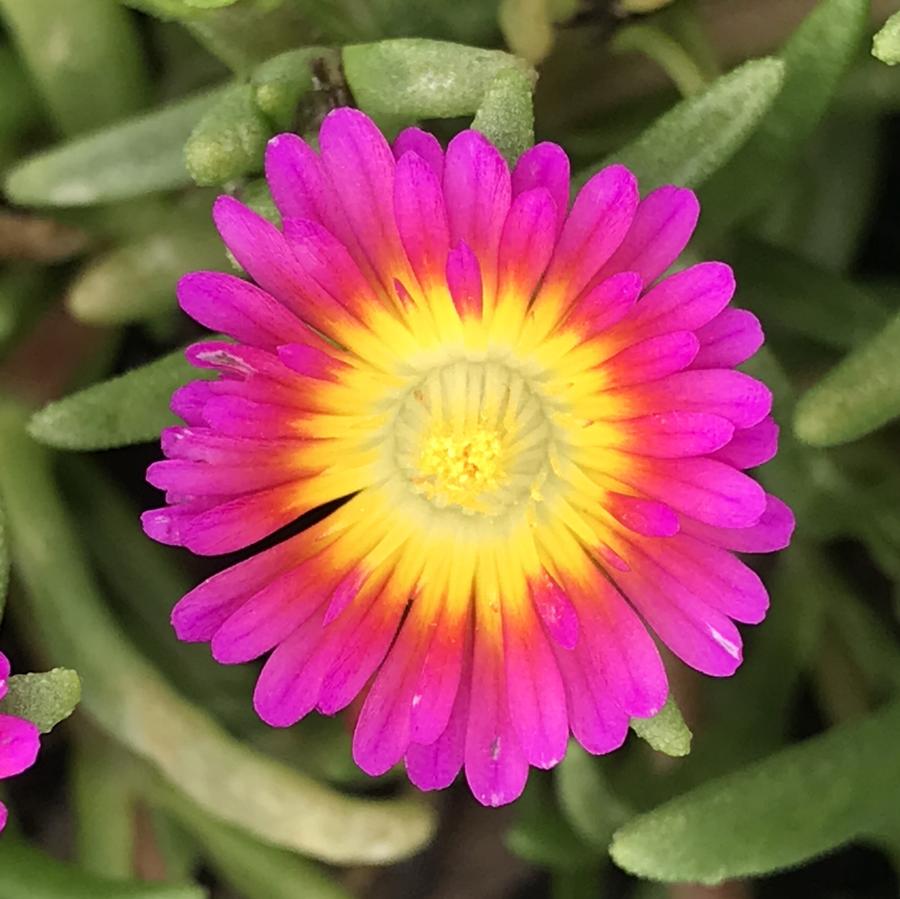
71, 50
505, 115
130, 700
129, 159
136, 281
26, 873
131, 408
781, 811
586, 799
413, 78
816, 57
860, 394
687, 144
280, 83
666, 731
44, 699
886, 44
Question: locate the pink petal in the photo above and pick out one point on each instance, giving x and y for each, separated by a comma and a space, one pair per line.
421, 218
544, 165
662, 227
527, 243
651, 359
752, 446
772, 532
228, 304
464, 280
477, 193
20, 742
189, 401
605, 305
555, 610
4, 675
297, 181
187, 478
599, 219
731, 338
653, 519
423, 144
673, 435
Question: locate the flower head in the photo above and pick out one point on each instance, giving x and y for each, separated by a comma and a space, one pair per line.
537, 445
19, 740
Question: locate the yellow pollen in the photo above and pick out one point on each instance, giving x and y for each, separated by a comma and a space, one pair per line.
458, 469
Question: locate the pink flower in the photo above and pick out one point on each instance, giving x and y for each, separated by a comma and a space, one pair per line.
19, 740
538, 443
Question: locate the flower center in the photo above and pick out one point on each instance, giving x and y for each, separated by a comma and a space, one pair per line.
474, 437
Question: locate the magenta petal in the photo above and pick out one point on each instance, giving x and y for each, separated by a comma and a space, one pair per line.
423, 144
464, 280
295, 177
606, 304
4, 816
752, 446
20, 741
731, 338
189, 401
544, 165
477, 193
653, 519
527, 243
555, 610
651, 359
4, 675
772, 532
675, 435
421, 218
599, 219
662, 227
226, 303
496, 767
535, 691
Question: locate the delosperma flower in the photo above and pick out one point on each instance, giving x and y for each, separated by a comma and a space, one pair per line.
20, 740
537, 441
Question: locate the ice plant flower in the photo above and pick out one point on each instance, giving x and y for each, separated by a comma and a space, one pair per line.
20, 740
530, 446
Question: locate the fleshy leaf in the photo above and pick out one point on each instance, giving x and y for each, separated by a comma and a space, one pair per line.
506, 116
280, 83
886, 44
822, 792
128, 159
132, 408
25, 871
666, 731
585, 798
687, 144
71, 63
816, 57
128, 698
44, 699
860, 394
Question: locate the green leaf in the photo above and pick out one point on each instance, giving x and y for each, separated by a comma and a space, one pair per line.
398, 78
665, 51
860, 394
129, 159
131, 408
26, 872
84, 56
44, 699
253, 869
816, 57
588, 803
130, 700
506, 115
781, 811
666, 731
4, 562
687, 144
230, 139
136, 281
542, 835
795, 297
886, 44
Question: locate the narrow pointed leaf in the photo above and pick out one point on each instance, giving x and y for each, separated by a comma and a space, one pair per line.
505, 114
132, 408
860, 394
666, 731
131, 158
886, 44
687, 144
822, 793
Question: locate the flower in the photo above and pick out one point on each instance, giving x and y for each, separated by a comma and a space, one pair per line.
524, 440
20, 740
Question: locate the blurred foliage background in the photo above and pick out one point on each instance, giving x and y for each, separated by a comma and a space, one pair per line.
119, 122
